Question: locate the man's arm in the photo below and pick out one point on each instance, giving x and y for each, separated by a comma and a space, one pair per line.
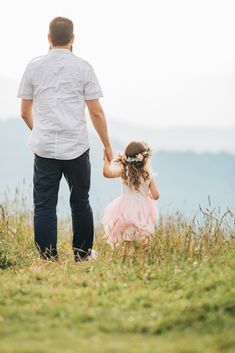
99, 123
27, 112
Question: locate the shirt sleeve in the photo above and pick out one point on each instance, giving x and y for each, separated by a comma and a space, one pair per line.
25, 90
92, 88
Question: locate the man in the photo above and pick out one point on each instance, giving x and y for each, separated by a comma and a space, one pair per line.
55, 89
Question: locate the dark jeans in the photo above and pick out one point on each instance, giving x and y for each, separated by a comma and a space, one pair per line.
47, 175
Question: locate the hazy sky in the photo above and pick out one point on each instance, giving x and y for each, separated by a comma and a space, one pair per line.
164, 63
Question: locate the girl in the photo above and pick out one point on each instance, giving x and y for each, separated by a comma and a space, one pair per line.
131, 216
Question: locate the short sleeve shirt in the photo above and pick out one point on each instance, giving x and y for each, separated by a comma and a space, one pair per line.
59, 83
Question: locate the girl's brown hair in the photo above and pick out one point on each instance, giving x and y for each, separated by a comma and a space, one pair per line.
134, 163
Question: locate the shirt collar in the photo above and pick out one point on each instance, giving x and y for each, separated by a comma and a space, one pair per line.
59, 50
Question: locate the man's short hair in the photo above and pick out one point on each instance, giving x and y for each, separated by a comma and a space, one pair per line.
61, 31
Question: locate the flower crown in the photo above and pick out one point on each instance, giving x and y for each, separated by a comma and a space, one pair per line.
137, 159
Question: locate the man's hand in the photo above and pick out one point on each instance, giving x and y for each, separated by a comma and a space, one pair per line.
108, 169
27, 112
108, 153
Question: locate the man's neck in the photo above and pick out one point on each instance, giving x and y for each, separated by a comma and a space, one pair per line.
61, 47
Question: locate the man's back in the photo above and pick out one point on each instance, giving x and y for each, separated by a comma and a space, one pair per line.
59, 83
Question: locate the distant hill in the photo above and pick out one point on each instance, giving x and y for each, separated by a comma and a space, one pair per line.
185, 179
9, 104
197, 139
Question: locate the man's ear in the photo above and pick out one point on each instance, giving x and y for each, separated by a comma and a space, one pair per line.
49, 38
72, 39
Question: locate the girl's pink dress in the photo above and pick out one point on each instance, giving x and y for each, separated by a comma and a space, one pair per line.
131, 216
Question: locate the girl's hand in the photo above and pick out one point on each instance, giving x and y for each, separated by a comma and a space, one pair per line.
108, 169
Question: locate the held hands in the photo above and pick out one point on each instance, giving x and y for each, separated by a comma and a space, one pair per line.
105, 159
108, 154
108, 169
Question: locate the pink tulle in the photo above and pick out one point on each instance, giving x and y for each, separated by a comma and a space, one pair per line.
129, 219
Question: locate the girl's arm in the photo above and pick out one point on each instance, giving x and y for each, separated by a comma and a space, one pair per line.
154, 193
107, 170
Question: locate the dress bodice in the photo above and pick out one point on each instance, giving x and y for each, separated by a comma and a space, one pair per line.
142, 193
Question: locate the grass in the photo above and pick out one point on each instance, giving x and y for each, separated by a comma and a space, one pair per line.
176, 296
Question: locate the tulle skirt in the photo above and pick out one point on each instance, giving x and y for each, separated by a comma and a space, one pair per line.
128, 219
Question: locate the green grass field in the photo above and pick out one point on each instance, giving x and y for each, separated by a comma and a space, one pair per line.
178, 295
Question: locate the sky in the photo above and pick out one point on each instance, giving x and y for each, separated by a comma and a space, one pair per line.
160, 63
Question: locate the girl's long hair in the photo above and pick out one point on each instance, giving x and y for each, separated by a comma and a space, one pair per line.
132, 167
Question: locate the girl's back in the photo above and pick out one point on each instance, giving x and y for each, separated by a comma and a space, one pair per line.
133, 215
141, 194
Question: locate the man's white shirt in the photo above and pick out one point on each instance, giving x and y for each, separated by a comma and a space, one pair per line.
59, 83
